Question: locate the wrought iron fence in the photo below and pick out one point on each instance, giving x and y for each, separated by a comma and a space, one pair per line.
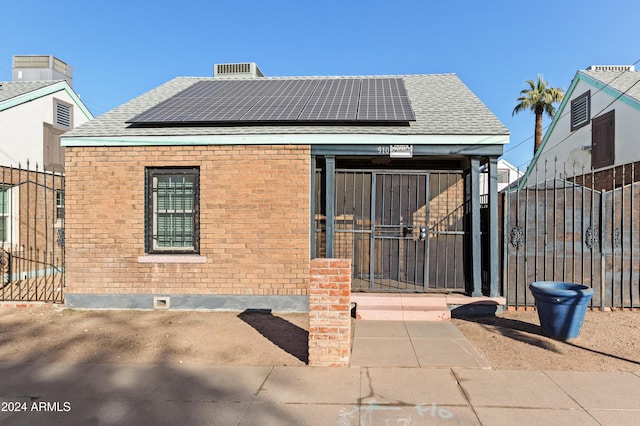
31, 234
575, 227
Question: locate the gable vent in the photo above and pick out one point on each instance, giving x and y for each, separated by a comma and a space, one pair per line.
580, 111
63, 115
243, 69
619, 68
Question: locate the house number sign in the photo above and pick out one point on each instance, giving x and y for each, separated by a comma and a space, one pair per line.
396, 151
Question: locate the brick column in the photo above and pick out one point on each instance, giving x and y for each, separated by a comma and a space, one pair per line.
330, 313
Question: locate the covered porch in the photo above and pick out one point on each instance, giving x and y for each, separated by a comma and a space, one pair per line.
415, 222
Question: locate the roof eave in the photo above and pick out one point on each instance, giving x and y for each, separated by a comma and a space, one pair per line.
45, 91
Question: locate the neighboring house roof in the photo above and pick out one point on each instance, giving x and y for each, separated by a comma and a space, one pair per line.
13, 93
502, 163
615, 83
442, 105
622, 86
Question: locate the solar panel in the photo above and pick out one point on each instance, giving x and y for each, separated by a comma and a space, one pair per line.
295, 101
384, 99
333, 99
284, 103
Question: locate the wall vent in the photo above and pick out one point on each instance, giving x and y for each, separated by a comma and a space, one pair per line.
161, 303
243, 69
618, 68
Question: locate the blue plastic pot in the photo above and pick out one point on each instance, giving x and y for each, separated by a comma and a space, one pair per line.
561, 307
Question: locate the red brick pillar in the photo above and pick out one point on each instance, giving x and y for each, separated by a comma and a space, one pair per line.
330, 313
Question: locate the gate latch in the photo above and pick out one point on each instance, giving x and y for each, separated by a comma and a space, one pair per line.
407, 230
423, 233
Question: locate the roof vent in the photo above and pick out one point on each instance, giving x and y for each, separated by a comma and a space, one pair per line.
619, 68
239, 70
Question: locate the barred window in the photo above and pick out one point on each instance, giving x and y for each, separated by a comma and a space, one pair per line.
172, 210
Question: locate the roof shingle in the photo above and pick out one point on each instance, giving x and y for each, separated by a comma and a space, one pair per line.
11, 89
443, 105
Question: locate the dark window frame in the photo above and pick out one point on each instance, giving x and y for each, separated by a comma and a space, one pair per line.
585, 97
152, 246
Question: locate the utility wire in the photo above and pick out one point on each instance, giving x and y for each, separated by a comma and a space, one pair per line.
596, 115
511, 148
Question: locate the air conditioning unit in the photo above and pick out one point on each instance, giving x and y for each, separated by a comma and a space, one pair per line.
619, 68
237, 70
41, 67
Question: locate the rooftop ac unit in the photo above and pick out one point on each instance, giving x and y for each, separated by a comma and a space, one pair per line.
618, 68
243, 69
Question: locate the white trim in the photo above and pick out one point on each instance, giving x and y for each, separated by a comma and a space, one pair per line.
45, 91
288, 139
172, 258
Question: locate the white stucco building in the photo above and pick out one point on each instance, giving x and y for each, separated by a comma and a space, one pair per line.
595, 128
35, 112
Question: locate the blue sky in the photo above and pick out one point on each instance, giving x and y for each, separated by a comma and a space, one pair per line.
121, 49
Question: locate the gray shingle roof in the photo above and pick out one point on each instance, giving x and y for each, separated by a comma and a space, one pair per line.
11, 89
628, 81
443, 105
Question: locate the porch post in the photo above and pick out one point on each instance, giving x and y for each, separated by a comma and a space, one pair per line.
330, 164
494, 255
476, 242
312, 221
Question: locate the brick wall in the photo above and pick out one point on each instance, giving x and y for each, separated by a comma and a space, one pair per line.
330, 313
254, 221
611, 178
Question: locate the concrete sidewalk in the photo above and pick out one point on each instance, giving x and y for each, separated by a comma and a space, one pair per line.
425, 344
442, 389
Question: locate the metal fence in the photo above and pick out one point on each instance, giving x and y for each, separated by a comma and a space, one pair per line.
574, 227
31, 234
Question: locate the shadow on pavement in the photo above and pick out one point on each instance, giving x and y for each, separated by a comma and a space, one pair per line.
514, 329
287, 336
530, 333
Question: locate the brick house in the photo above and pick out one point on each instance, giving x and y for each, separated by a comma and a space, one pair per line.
216, 193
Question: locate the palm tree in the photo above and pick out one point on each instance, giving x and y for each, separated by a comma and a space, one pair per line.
538, 98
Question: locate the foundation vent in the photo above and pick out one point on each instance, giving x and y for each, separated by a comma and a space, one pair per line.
161, 303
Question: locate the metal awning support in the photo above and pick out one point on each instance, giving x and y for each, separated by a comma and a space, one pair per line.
475, 249
330, 166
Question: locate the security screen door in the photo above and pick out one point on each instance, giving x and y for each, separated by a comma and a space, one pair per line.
381, 223
399, 231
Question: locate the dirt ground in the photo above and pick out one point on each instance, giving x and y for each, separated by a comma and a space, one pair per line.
609, 341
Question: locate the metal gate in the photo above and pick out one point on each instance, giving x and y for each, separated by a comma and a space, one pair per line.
584, 229
403, 230
31, 235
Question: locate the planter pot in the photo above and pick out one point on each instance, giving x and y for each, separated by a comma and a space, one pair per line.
561, 307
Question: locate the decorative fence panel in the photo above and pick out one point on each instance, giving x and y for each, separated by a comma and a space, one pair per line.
567, 230
31, 235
